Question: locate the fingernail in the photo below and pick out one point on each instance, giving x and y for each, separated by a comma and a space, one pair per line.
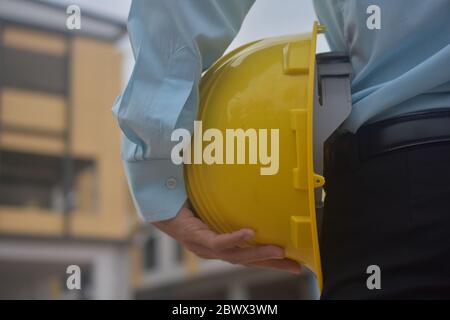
296, 269
278, 253
248, 234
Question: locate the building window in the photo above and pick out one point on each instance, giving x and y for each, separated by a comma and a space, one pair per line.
25, 69
34, 180
179, 252
150, 253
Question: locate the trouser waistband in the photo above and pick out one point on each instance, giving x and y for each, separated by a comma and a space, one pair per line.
345, 151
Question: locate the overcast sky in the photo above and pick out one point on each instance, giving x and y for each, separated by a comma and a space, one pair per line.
266, 18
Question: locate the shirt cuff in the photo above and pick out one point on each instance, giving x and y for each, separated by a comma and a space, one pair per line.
157, 188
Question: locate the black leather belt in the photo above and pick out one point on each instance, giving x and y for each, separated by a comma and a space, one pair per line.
348, 151
410, 130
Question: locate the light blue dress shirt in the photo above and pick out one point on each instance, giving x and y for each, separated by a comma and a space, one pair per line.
400, 68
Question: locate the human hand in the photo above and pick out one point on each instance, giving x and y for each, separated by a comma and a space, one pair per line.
197, 237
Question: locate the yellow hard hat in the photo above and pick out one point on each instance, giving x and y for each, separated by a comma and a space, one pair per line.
267, 84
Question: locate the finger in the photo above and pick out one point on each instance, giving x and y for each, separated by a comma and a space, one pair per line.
201, 251
252, 254
220, 242
284, 265
231, 240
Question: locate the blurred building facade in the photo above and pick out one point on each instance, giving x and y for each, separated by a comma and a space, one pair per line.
63, 196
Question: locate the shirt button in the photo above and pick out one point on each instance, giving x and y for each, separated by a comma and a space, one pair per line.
171, 183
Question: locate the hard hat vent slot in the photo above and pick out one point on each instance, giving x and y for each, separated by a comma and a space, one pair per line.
295, 60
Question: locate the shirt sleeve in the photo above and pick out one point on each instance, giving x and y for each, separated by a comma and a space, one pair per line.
173, 42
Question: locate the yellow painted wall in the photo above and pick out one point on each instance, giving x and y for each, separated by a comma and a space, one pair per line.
96, 82
25, 38
32, 109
